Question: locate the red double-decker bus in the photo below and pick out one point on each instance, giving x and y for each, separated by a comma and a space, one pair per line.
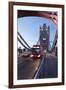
36, 51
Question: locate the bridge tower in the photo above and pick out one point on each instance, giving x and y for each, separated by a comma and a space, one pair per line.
44, 36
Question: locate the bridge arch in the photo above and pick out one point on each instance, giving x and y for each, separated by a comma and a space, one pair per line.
43, 14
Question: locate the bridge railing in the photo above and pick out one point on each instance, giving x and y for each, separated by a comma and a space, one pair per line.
40, 71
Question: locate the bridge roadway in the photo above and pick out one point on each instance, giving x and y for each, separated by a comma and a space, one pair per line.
28, 67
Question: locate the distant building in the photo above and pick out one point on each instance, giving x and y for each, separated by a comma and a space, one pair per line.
19, 50
44, 36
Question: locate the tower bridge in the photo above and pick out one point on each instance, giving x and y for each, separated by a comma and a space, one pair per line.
47, 65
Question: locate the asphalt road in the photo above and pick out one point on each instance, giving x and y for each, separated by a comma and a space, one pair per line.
28, 67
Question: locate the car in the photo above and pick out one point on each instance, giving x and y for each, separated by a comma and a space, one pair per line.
26, 54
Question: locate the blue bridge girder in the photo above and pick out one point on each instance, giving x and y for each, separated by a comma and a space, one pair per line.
22, 41
55, 41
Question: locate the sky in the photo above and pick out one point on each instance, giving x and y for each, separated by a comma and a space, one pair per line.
29, 28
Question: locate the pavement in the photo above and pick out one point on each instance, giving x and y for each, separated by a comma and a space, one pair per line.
50, 67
